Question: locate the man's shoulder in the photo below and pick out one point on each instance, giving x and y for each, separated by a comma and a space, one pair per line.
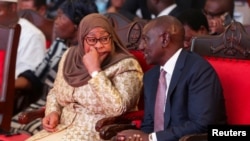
28, 28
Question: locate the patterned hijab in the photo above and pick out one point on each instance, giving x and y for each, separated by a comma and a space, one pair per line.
74, 71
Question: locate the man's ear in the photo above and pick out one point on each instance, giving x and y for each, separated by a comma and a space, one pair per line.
166, 39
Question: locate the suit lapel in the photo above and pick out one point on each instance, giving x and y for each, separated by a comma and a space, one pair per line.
175, 78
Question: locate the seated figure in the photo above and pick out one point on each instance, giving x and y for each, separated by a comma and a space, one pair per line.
98, 78
42, 78
182, 92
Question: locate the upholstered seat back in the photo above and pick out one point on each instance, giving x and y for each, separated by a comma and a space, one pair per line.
128, 31
229, 54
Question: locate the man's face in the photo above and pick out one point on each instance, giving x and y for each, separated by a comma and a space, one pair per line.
215, 12
4, 13
26, 4
151, 43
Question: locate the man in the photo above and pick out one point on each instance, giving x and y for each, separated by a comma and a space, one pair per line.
193, 91
193, 4
37, 5
219, 14
164, 7
31, 48
39, 18
195, 24
131, 7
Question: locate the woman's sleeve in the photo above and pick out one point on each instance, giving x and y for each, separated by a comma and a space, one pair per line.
51, 103
121, 91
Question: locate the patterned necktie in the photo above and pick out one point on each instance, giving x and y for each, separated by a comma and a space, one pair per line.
160, 103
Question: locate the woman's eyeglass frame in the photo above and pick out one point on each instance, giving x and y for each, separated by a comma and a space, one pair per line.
103, 40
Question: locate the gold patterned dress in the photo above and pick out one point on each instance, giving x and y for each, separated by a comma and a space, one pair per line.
112, 92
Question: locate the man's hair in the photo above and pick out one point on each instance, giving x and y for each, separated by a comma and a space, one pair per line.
39, 3
194, 18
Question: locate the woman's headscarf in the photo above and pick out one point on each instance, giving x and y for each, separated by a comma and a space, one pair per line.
74, 71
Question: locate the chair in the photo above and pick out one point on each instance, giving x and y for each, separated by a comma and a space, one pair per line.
130, 34
229, 54
128, 31
9, 39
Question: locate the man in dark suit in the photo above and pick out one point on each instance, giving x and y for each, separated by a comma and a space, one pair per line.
164, 7
191, 4
130, 7
194, 93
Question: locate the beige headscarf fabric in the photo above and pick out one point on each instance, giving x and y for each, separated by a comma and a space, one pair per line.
74, 71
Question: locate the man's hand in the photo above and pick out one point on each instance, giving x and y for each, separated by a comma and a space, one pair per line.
131, 135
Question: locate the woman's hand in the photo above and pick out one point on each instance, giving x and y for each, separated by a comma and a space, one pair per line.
50, 122
92, 60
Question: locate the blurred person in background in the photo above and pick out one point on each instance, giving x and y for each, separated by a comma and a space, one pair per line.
136, 8
219, 14
114, 5
195, 24
164, 7
37, 5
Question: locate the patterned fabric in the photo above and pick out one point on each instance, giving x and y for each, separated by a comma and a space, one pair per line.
43, 76
111, 92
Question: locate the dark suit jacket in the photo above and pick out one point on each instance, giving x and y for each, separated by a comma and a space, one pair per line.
194, 4
194, 101
130, 7
176, 11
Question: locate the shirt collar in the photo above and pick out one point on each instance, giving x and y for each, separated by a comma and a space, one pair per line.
170, 64
167, 10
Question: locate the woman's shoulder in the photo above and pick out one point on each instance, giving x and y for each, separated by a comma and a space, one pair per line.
128, 60
128, 63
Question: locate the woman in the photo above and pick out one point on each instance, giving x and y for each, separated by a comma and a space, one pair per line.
66, 25
96, 79
114, 5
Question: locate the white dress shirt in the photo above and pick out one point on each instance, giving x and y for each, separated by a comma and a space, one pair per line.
167, 10
31, 48
169, 68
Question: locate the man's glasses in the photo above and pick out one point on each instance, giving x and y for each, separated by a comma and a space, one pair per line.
92, 40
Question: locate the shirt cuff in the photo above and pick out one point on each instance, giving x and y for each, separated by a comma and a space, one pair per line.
94, 73
152, 137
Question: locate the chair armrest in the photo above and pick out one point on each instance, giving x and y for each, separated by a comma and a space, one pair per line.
109, 131
28, 116
110, 121
127, 118
194, 137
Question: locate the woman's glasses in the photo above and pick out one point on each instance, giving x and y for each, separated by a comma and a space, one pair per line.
92, 40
